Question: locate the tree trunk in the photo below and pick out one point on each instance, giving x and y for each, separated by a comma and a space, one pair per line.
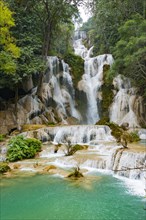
16, 108
16, 101
45, 49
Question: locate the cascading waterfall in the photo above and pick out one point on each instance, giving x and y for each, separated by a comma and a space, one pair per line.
103, 153
62, 91
92, 79
58, 95
76, 134
127, 106
123, 109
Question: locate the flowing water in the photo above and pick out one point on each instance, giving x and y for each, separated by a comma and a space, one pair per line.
92, 78
44, 197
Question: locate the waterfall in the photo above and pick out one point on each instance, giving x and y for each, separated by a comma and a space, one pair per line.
123, 107
92, 78
77, 134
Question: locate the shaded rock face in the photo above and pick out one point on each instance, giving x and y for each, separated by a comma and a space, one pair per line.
7, 121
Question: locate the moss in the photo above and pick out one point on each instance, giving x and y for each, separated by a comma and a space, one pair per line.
31, 127
76, 64
103, 121
107, 93
134, 137
4, 167
2, 137
51, 124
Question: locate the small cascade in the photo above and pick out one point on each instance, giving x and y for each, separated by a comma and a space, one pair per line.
117, 157
123, 108
76, 134
92, 78
131, 165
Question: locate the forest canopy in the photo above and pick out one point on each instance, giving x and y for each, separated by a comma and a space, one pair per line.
33, 29
119, 28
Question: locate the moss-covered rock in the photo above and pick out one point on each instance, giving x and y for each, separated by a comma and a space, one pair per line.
32, 127
2, 137
103, 121
4, 167
107, 93
76, 64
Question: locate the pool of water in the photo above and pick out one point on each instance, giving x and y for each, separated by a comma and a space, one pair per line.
43, 197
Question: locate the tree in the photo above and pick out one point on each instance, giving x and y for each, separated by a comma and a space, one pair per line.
9, 52
130, 51
52, 14
108, 16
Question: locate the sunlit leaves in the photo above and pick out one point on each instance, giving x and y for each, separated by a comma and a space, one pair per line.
9, 51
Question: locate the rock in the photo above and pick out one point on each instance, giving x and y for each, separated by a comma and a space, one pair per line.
7, 121
48, 168
125, 126
16, 166
72, 121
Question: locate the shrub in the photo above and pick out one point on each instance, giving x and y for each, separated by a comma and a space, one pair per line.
134, 137
72, 149
75, 174
4, 167
20, 148
120, 134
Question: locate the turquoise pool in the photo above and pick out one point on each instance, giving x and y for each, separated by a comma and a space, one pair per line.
43, 197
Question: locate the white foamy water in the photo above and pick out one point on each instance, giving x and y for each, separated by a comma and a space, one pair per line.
127, 106
27, 169
135, 187
92, 78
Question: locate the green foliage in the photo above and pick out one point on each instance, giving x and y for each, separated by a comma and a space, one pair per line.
41, 28
130, 51
22, 148
107, 93
9, 52
76, 64
134, 137
103, 121
2, 137
63, 44
4, 167
72, 149
120, 134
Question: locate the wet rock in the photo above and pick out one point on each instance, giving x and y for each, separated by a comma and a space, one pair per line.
48, 168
